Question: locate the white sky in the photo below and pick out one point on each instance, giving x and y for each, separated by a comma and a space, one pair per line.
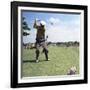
59, 28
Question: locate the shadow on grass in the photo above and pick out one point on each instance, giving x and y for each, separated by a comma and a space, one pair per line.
32, 61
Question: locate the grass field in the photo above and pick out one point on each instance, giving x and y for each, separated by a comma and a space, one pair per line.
61, 60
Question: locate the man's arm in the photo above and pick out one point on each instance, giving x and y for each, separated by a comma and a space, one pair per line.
35, 25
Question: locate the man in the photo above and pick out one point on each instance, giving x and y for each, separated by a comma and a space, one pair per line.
40, 39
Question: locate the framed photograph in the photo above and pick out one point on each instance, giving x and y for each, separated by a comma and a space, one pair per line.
48, 44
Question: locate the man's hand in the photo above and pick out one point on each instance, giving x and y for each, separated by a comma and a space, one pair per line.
35, 25
35, 20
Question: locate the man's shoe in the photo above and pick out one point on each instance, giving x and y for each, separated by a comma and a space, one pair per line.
47, 59
37, 60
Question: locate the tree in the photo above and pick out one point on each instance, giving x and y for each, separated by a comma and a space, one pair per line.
25, 27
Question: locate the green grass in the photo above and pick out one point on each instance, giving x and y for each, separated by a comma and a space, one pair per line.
61, 60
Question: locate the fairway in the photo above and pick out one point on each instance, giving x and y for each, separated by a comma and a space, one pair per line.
61, 60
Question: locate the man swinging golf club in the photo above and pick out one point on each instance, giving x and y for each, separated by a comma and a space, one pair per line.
40, 38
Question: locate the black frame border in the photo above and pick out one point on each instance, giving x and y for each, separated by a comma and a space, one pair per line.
14, 43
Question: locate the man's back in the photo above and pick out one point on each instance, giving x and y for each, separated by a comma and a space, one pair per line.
40, 32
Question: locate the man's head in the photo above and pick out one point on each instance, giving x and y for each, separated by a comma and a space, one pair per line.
42, 23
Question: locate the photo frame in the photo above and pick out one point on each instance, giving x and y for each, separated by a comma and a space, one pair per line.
70, 44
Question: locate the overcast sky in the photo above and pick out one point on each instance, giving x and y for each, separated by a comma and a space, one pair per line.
60, 27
